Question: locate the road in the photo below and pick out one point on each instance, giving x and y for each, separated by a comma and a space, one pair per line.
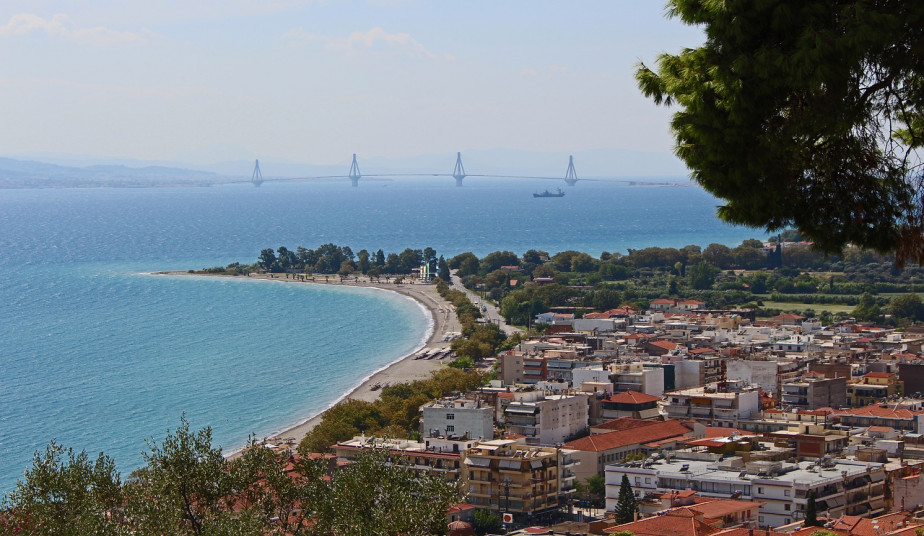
491, 313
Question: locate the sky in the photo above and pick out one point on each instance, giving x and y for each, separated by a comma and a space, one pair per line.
315, 81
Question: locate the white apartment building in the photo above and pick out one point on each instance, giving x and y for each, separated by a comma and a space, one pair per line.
457, 418
547, 420
840, 486
713, 405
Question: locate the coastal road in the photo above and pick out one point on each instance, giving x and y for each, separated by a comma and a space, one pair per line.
491, 313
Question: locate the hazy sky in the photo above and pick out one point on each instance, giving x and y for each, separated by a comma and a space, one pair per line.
314, 81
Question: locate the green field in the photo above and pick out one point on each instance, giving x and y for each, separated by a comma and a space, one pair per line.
817, 307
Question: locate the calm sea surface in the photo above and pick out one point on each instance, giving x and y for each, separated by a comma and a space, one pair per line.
100, 356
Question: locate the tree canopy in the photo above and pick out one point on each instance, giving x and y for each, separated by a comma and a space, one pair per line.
804, 113
187, 487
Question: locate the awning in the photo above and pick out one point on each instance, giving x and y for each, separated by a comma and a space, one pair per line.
478, 462
535, 463
523, 411
834, 502
509, 464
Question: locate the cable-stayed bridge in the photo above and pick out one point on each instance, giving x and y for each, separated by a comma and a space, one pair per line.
458, 173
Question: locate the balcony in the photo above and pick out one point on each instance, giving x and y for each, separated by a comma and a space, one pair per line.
827, 491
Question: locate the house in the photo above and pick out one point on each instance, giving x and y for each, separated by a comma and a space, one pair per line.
630, 404
633, 437
873, 387
891, 415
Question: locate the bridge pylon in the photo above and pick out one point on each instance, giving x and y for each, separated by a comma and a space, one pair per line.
570, 175
458, 172
257, 177
355, 175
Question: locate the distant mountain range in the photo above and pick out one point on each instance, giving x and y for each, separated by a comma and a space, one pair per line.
31, 174
70, 171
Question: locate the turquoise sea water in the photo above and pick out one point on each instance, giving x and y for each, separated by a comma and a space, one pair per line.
101, 356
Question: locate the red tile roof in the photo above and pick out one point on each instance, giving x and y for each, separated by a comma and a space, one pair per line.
624, 423
879, 375
667, 345
632, 397
719, 508
658, 430
875, 410
675, 522
861, 526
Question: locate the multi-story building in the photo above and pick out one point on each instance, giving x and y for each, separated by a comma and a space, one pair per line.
722, 404
873, 387
765, 373
504, 476
434, 455
813, 392
630, 404
899, 415
629, 437
547, 419
840, 486
458, 418
811, 440
637, 377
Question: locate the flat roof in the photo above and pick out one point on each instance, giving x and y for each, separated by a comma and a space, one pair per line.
708, 470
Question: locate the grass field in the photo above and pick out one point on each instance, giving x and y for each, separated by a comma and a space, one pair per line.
817, 307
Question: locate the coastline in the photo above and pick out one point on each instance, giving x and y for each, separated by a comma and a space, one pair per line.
443, 322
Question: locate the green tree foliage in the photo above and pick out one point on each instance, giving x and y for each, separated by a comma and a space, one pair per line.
487, 522
867, 310
907, 307
493, 261
397, 408
583, 263
718, 255
267, 261
626, 506
187, 487
811, 511
465, 263
189, 479
372, 496
363, 261
64, 493
701, 276
804, 113
443, 268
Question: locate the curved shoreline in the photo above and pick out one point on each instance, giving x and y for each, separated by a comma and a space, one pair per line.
404, 369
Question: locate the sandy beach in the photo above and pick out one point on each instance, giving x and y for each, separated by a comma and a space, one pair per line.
406, 369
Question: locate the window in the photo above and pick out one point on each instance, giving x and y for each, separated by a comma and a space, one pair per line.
786, 493
760, 519
638, 481
760, 490
450, 416
450, 428
787, 507
647, 480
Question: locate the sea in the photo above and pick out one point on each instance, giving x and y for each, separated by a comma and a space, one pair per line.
99, 354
